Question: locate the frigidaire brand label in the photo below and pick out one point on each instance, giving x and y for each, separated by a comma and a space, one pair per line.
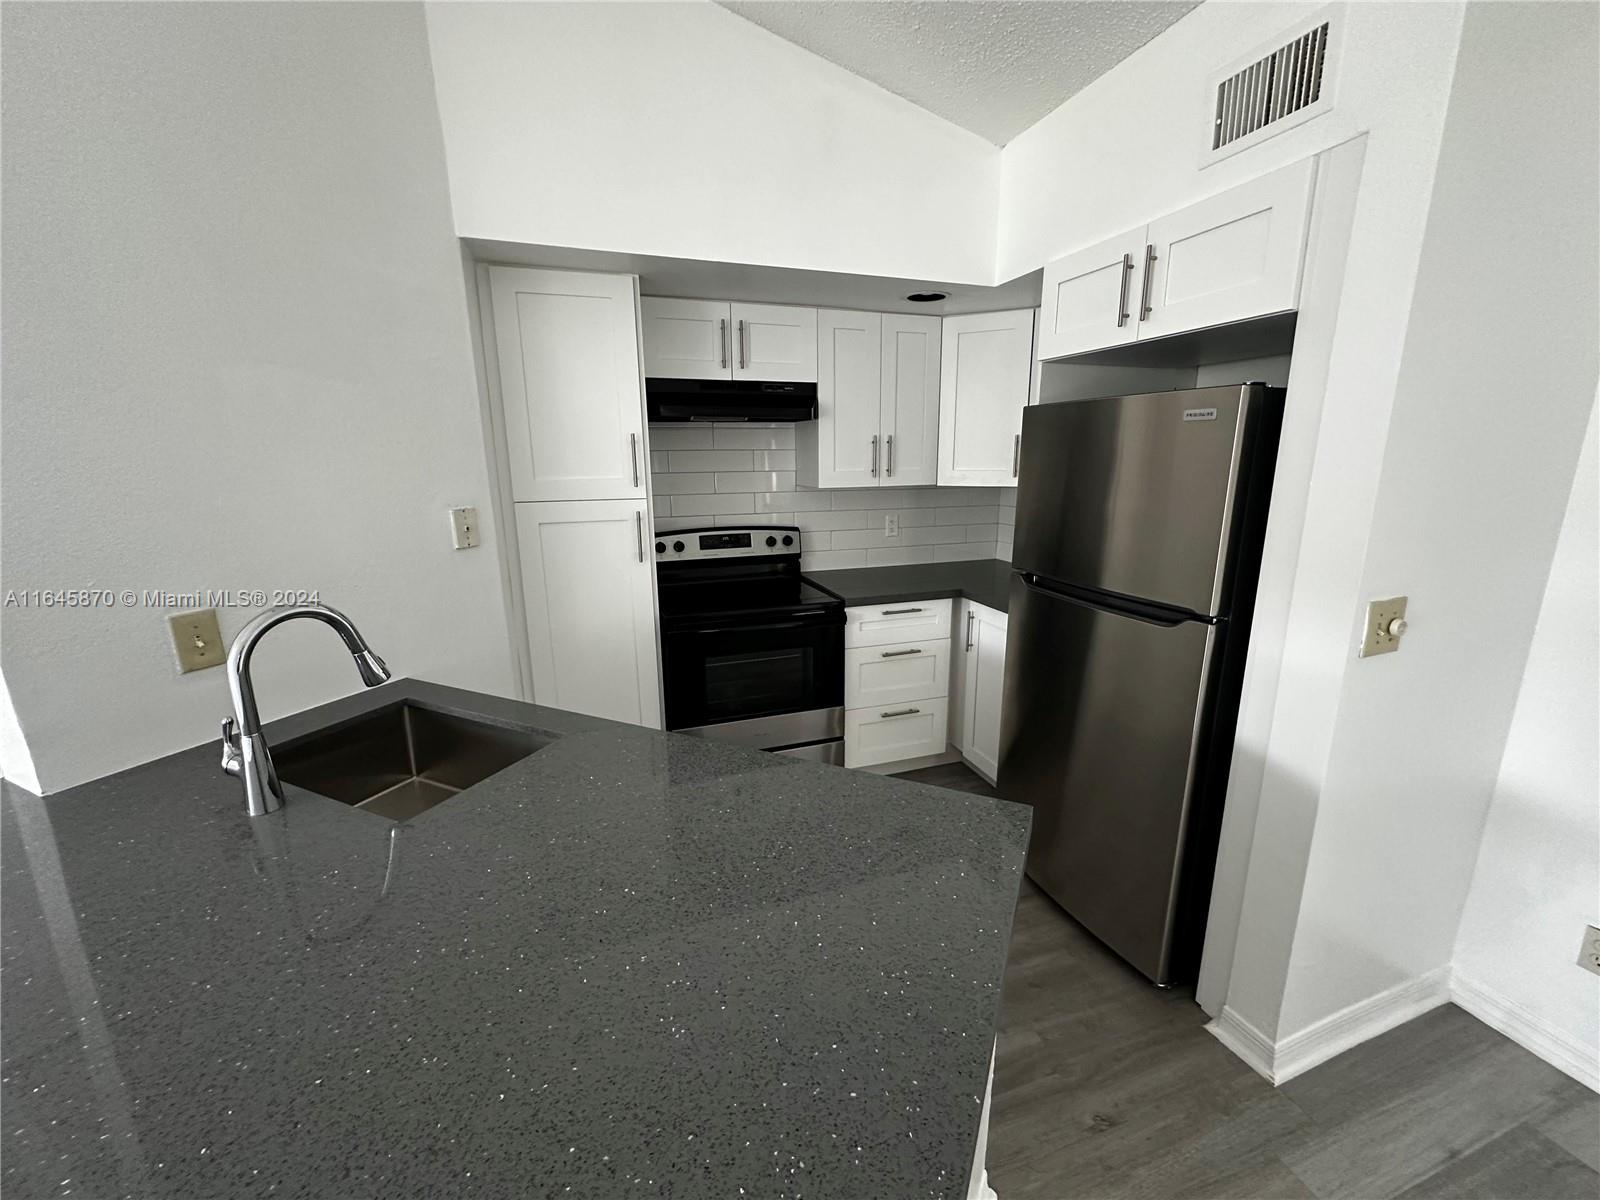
1199, 414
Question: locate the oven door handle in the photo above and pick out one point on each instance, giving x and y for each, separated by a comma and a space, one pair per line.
703, 629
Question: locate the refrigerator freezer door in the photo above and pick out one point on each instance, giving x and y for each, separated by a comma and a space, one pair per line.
1133, 494
1101, 720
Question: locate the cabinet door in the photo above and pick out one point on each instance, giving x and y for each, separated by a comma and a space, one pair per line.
1231, 257
983, 686
965, 619
985, 364
587, 587
687, 339
774, 341
1089, 297
842, 447
910, 412
567, 343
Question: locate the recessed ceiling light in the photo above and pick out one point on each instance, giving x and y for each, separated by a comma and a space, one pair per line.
927, 297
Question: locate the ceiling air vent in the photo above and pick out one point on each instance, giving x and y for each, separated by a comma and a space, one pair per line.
1272, 90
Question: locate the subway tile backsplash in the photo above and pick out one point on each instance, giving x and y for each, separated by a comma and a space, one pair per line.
744, 474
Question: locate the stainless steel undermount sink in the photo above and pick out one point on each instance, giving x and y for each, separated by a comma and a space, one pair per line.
402, 759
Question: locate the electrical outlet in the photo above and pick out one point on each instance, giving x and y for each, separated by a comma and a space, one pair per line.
1386, 623
197, 639
1589, 956
464, 528
891, 524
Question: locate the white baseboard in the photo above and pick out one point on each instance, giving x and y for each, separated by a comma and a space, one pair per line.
1245, 1040
1296, 1054
1530, 1031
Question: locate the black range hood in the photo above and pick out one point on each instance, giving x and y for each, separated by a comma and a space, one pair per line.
729, 400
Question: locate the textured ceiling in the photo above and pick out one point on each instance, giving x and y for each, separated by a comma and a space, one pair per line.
991, 66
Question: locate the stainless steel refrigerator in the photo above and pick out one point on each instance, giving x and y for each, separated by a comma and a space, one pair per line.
1138, 545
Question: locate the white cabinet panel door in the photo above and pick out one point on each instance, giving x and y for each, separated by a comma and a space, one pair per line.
886, 624
774, 341
1090, 297
568, 349
985, 367
983, 684
910, 420
687, 339
841, 448
960, 656
888, 675
1233, 256
892, 734
587, 586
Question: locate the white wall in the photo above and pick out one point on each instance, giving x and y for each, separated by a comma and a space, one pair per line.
236, 354
680, 129
1494, 391
1537, 881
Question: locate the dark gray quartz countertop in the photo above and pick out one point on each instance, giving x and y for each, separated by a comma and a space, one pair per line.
986, 580
633, 963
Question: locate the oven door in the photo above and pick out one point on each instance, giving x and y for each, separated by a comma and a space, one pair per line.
740, 670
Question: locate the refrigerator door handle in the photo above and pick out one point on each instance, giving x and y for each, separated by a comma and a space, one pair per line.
1147, 611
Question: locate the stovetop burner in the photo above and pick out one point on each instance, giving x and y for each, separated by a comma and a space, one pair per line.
735, 574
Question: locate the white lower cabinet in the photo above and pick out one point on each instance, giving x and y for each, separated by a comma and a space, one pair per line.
891, 734
588, 591
896, 681
977, 685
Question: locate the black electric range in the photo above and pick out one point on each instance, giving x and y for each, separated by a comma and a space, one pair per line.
752, 651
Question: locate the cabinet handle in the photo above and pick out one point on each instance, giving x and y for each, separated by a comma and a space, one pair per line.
1144, 293
633, 456
638, 528
899, 653
970, 617
722, 340
741, 345
1122, 296
895, 612
899, 712
874, 456
888, 455
1016, 455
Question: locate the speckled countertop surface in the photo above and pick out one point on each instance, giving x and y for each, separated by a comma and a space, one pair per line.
632, 964
986, 580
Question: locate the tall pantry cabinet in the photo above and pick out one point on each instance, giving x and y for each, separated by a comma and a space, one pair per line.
563, 350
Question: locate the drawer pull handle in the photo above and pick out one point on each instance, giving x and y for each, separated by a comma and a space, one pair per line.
898, 653
900, 712
895, 612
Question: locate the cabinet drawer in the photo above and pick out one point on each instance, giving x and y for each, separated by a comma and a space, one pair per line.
895, 732
890, 675
886, 624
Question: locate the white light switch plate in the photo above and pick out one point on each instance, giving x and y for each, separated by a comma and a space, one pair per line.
464, 528
1380, 614
891, 524
1589, 956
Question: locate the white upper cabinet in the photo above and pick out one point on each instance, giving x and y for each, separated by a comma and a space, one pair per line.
567, 346
842, 447
909, 408
1228, 258
1088, 297
1233, 256
687, 339
985, 370
588, 587
713, 339
776, 342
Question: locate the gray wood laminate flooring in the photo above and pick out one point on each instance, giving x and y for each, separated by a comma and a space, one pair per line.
1108, 1087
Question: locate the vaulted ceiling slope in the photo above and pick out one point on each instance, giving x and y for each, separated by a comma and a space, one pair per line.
991, 66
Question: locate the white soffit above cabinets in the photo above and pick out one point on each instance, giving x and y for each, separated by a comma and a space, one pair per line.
693, 279
990, 66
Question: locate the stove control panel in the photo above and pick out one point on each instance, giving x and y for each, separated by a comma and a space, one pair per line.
699, 544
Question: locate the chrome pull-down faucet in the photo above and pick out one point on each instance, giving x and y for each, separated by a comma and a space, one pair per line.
244, 749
